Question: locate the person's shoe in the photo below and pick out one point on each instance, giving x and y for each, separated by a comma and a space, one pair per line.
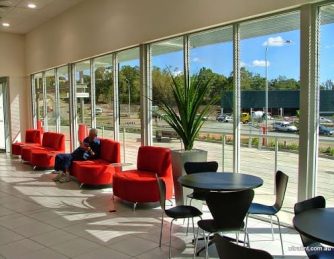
65, 179
58, 177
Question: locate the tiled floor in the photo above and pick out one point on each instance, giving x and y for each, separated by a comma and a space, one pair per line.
42, 219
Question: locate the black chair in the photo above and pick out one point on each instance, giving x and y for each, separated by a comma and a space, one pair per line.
177, 212
228, 250
228, 210
281, 183
199, 167
313, 249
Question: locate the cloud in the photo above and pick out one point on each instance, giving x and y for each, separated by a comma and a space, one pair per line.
329, 46
243, 64
177, 72
275, 42
260, 63
196, 60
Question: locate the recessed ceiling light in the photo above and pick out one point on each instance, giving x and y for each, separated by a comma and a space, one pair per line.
5, 24
32, 6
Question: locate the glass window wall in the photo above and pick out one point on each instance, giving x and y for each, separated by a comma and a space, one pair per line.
211, 57
269, 60
104, 96
129, 103
325, 175
167, 60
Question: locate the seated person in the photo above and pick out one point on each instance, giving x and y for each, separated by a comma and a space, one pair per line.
89, 149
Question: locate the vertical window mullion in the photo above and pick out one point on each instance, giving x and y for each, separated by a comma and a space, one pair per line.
236, 98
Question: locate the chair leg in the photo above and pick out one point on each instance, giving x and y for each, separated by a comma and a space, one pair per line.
184, 219
161, 227
206, 245
196, 241
246, 231
280, 233
193, 227
188, 218
272, 228
170, 239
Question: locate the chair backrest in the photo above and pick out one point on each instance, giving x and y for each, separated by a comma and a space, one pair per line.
33, 136
110, 150
199, 167
54, 140
157, 160
229, 209
281, 183
162, 191
313, 203
229, 250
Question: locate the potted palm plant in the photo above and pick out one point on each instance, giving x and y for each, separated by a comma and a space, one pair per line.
186, 116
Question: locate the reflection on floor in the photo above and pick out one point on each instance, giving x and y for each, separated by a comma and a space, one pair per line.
42, 219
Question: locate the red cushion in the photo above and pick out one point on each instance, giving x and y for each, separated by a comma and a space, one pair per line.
139, 186
43, 158
154, 159
110, 151
54, 141
93, 172
33, 136
26, 151
16, 148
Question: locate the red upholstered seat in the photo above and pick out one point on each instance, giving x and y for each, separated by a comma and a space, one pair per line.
43, 158
99, 171
32, 136
140, 185
52, 143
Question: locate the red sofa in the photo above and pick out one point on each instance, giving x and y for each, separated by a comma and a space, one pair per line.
44, 156
32, 137
99, 171
141, 185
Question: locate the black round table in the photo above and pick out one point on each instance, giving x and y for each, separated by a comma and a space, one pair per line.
220, 181
317, 224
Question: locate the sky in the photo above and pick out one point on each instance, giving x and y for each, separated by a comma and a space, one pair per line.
283, 56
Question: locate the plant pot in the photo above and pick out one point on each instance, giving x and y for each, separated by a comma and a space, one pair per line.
179, 157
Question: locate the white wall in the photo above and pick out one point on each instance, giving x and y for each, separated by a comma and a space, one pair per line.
97, 26
12, 65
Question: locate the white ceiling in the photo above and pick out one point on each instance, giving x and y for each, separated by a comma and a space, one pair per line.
23, 19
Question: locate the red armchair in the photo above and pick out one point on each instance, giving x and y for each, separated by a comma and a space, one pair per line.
44, 155
99, 171
32, 137
141, 185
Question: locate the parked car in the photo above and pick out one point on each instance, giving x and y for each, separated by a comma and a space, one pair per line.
325, 120
224, 118
284, 126
325, 131
98, 110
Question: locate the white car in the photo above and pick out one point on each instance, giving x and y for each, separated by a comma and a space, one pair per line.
325, 120
224, 118
98, 110
284, 126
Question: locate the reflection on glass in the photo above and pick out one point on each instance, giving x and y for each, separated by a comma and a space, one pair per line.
167, 57
51, 100
104, 96
269, 59
325, 176
64, 105
129, 102
211, 56
82, 88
